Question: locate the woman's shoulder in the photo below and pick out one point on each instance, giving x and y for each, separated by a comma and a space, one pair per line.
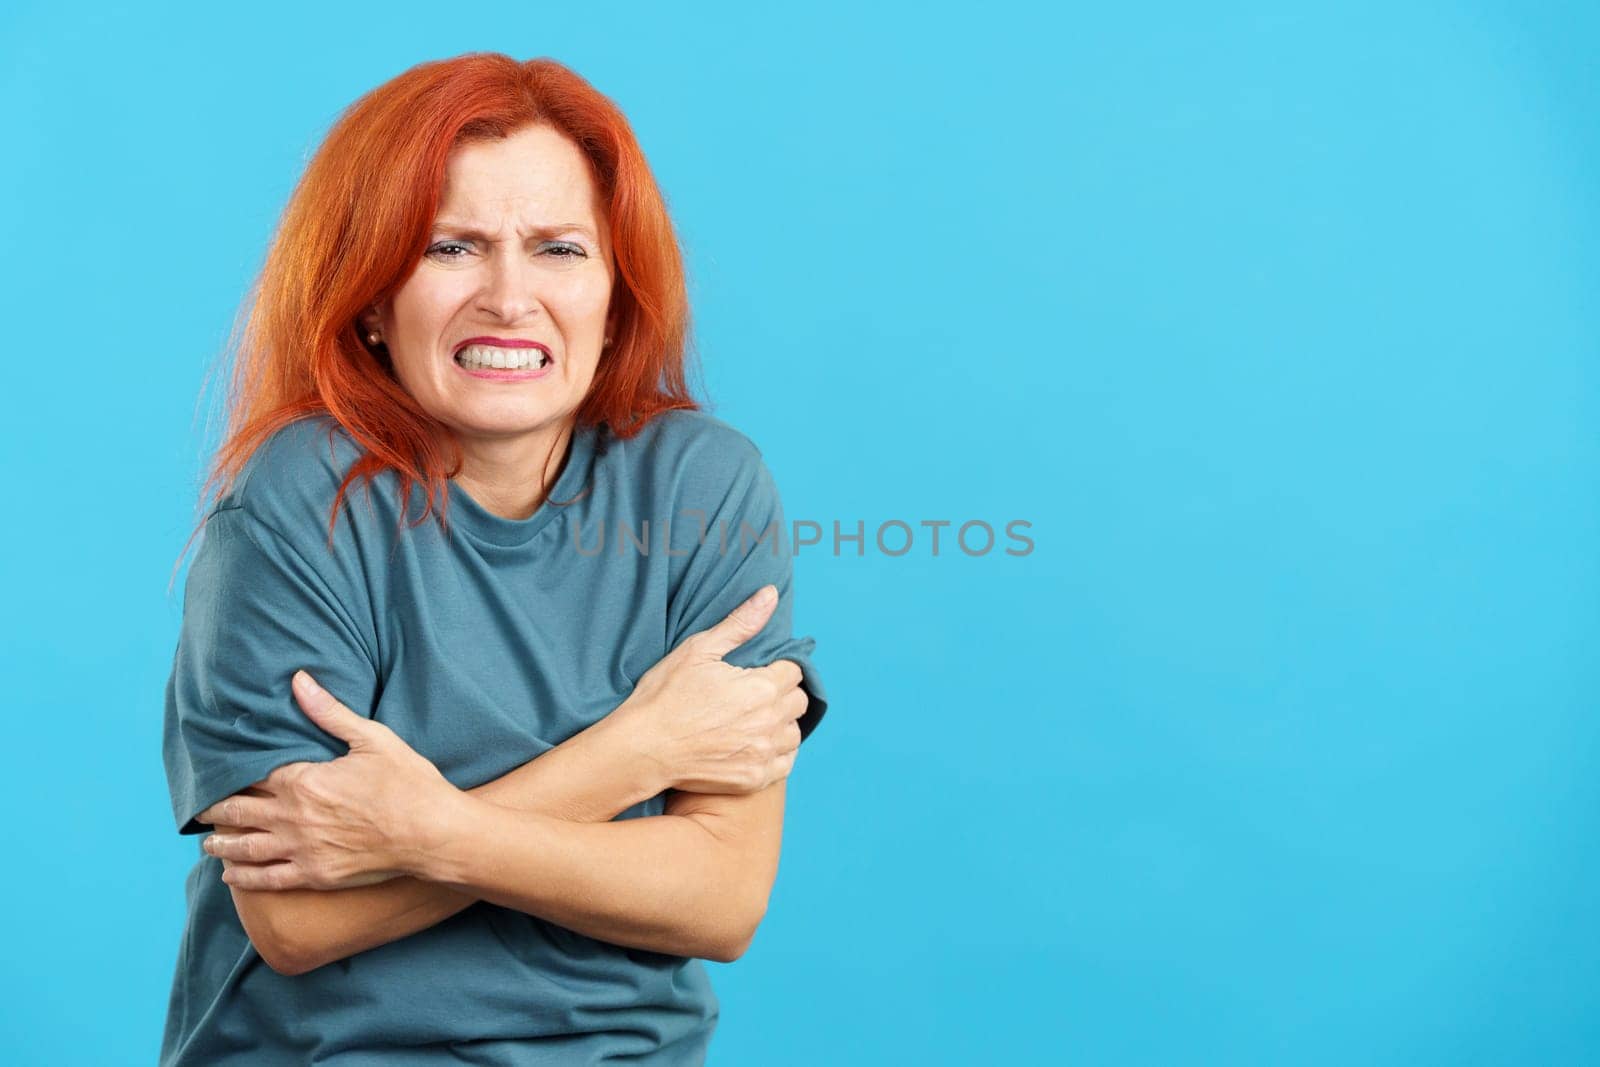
692, 440
293, 477
691, 460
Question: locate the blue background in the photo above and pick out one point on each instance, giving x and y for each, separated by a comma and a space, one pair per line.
1280, 328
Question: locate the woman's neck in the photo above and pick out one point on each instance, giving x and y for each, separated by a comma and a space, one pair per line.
511, 476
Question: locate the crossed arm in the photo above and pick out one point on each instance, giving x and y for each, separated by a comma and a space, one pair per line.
692, 882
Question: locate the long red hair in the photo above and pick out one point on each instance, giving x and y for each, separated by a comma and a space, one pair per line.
358, 223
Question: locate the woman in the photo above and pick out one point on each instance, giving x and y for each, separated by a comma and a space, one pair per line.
493, 740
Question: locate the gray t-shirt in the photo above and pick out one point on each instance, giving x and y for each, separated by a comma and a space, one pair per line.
482, 650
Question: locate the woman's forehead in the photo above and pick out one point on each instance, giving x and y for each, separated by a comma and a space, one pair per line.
535, 182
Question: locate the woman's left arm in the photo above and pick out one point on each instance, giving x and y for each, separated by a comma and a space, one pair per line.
693, 881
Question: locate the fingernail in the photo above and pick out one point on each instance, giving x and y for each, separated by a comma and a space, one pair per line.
305, 684
766, 595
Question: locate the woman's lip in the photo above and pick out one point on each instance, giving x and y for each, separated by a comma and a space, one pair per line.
502, 342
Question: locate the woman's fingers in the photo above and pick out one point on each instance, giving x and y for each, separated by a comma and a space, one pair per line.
253, 846
743, 623
792, 723
332, 715
238, 810
785, 764
292, 874
794, 703
781, 673
791, 739
286, 875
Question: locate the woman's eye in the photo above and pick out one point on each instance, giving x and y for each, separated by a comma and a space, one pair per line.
557, 251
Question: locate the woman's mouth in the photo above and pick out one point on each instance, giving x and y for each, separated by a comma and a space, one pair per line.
488, 361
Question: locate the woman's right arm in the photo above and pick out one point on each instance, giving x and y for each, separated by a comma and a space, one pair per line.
676, 730
590, 777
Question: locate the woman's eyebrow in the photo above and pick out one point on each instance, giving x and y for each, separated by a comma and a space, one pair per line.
468, 230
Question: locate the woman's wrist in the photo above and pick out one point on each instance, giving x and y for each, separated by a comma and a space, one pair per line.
632, 732
592, 776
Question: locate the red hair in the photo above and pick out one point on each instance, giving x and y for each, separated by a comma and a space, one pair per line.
357, 225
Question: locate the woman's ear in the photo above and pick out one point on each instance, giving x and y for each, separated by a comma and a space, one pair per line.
369, 321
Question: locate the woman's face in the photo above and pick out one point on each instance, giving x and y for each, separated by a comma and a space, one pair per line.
519, 253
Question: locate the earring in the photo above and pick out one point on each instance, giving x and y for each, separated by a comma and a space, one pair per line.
372, 338
607, 340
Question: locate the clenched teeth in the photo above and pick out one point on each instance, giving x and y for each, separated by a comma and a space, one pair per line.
487, 357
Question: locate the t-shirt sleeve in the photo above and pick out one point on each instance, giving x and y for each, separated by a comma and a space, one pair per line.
731, 525
255, 611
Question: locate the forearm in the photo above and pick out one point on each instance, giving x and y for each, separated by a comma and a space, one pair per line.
664, 883
591, 777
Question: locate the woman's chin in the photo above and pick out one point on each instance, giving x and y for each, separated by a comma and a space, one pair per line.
506, 420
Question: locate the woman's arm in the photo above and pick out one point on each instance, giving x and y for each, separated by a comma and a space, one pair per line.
591, 777
693, 722
692, 882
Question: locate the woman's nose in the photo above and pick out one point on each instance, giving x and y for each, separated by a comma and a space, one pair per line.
509, 290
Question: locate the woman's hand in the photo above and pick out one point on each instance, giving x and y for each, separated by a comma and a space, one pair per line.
714, 727
357, 820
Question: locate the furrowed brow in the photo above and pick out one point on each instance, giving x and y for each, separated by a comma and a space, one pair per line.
462, 229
